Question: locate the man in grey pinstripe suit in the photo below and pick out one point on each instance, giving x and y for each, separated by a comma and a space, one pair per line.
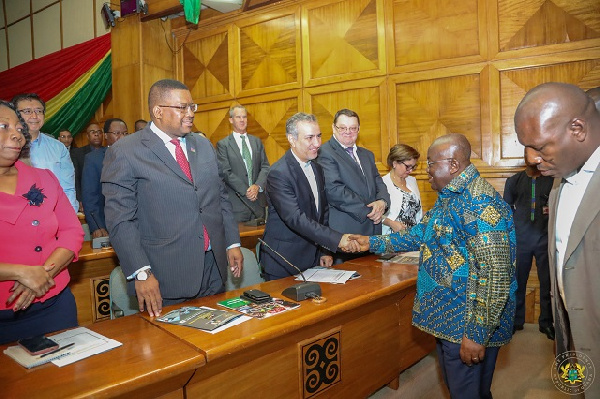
157, 207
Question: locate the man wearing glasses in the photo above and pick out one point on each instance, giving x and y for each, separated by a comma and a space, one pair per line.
91, 187
356, 193
167, 211
466, 284
46, 151
94, 135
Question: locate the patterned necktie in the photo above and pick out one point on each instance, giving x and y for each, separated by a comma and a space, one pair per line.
247, 158
350, 151
185, 167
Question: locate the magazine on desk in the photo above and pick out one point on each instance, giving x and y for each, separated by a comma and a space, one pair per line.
202, 318
259, 310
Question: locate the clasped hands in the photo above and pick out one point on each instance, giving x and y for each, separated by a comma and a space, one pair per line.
31, 282
354, 243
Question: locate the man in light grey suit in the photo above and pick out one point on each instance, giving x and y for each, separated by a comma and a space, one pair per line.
166, 208
356, 193
245, 168
559, 126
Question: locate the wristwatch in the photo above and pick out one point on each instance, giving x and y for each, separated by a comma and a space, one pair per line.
143, 275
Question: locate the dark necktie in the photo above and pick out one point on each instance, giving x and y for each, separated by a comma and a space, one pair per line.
185, 167
247, 159
350, 151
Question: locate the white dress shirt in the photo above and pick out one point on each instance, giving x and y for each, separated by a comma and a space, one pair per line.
569, 200
310, 176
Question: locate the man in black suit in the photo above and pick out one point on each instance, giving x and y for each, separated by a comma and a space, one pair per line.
94, 134
65, 137
355, 190
245, 167
91, 187
297, 226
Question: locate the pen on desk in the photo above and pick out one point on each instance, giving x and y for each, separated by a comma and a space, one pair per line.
58, 350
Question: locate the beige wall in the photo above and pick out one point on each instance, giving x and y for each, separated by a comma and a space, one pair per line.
33, 29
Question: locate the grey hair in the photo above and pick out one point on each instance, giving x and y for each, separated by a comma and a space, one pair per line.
291, 126
233, 109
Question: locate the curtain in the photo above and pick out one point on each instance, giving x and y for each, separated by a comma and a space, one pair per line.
73, 82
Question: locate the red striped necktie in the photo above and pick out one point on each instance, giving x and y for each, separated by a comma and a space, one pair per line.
185, 167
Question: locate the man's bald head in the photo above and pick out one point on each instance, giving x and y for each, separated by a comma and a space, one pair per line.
455, 145
560, 123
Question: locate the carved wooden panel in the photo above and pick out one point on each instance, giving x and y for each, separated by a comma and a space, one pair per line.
343, 40
515, 83
366, 101
434, 30
431, 108
101, 298
206, 69
530, 23
270, 55
320, 363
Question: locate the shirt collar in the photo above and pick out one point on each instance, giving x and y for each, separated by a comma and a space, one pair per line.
162, 135
301, 162
589, 166
460, 182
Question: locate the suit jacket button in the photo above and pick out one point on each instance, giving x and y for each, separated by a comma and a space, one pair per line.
38, 249
35, 223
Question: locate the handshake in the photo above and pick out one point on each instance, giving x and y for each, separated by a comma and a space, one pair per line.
354, 243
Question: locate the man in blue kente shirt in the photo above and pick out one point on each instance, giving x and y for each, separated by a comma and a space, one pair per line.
466, 283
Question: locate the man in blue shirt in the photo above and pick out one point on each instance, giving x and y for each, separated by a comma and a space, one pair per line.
46, 151
466, 283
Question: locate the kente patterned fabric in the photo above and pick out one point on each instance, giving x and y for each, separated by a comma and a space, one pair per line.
466, 283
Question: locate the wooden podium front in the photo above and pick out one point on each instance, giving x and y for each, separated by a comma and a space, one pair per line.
349, 346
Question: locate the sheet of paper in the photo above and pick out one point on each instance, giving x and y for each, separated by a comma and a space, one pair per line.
87, 343
234, 322
325, 275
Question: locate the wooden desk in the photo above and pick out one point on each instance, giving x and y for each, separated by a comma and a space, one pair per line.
362, 337
149, 364
89, 282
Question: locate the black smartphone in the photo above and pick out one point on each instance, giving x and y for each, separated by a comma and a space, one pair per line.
38, 345
256, 296
387, 256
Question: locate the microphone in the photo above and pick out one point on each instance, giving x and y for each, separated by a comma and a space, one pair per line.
256, 221
300, 291
99, 242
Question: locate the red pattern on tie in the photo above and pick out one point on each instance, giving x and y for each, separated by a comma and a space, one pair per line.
185, 167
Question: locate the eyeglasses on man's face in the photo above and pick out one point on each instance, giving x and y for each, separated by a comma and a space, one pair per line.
409, 168
29, 111
94, 132
345, 129
429, 163
118, 134
183, 107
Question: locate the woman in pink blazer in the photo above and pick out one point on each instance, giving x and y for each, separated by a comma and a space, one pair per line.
39, 236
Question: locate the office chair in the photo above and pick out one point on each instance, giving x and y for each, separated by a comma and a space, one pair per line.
121, 304
250, 275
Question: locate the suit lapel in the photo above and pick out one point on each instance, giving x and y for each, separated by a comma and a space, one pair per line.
191, 144
346, 157
299, 177
585, 214
553, 201
158, 147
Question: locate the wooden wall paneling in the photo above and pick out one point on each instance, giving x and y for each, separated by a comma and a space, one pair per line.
269, 53
535, 23
267, 115
515, 83
342, 40
206, 63
362, 96
429, 35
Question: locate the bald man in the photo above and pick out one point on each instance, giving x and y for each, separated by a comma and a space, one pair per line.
559, 124
466, 285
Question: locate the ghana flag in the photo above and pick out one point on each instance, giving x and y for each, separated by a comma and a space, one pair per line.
73, 82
